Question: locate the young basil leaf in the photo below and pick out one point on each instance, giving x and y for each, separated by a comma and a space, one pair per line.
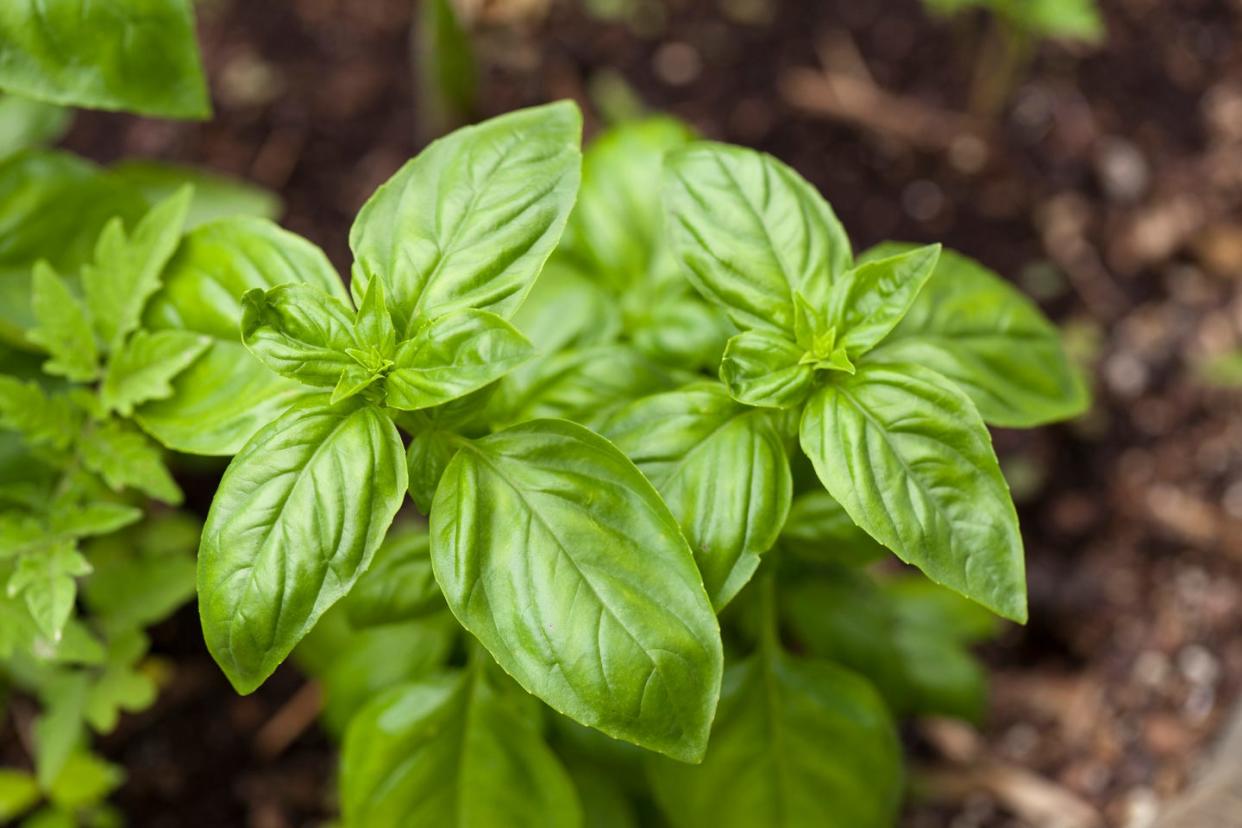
765, 369
818, 529
374, 324
399, 586
299, 332
64, 327
796, 742
982, 333
451, 356
126, 269
136, 57
53, 206
297, 518
452, 751
907, 456
143, 369
226, 395
585, 385
471, 220
555, 551
428, 456
871, 299
751, 233
125, 458
721, 468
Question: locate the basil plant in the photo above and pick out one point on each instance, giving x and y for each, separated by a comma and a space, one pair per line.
654, 479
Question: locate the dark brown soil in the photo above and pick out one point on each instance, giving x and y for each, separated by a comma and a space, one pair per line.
1110, 188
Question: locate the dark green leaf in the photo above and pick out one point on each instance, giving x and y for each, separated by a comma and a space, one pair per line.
560, 557
297, 518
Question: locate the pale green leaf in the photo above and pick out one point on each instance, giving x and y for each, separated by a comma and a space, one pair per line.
41, 419
559, 556
144, 367
63, 327
869, 301
126, 458
296, 520
471, 220
19, 792
907, 456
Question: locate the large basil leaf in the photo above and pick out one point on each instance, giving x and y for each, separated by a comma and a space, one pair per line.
752, 233
982, 333
227, 394
870, 300
297, 518
300, 332
907, 456
452, 355
53, 206
722, 470
455, 751
138, 55
766, 369
471, 220
559, 556
795, 743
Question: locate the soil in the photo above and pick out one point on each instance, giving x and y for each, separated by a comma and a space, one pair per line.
1109, 187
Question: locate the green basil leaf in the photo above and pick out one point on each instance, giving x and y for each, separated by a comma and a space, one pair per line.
796, 742
752, 233
125, 458
683, 331
616, 230
818, 529
143, 369
26, 123
374, 324
584, 385
452, 751
907, 456
451, 356
982, 333
53, 206
64, 327
139, 57
226, 395
399, 586
297, 518
215, 196
721, 468
566, 309
471, 220
765, 369
559, 556
871, 299
428, 456
299, 332
126, 269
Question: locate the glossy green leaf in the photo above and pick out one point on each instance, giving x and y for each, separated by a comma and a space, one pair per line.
559, 556
722, 470
819, 530
299, 332
215, 196
53, 206
26, 123
63, 327
399, 585
126, 458
765, 369
451, 356
227, 395
374, 324
979, 331
453, 751
907, 456
126, 268
471, 220
868, 302
138, 56
751, 233
143, 369
297, 518
796, 743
